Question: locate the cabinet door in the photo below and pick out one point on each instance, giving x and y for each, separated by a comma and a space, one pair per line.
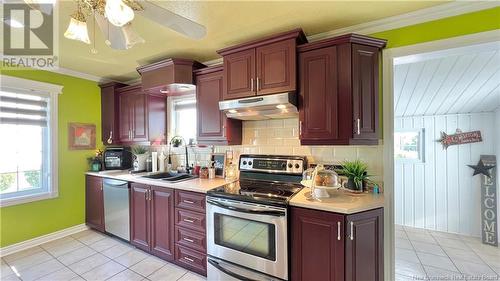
94, 203
139, 216
109, 110
364, 247
276, 67
124, 112
208, 94
162, 222
139, 116
239, 75
317, 245
318, 98
365, 79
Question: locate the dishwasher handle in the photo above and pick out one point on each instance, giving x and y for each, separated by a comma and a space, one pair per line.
115, 183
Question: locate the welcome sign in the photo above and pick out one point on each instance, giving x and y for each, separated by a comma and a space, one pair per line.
489, 202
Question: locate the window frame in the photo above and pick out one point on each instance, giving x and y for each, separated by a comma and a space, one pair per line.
52, 91
420, 146
173, 114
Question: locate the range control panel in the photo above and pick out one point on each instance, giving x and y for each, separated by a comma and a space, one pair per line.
273, 164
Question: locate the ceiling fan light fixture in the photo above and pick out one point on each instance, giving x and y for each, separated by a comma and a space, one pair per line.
77, 29
118, 13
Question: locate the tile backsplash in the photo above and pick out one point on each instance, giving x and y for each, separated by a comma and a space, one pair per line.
281, 136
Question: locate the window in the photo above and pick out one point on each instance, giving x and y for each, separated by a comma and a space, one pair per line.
183, 117
28, 126
408, 145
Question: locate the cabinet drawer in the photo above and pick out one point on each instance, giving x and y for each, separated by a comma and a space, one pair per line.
190, 201
191, 239
192, 220
190, 259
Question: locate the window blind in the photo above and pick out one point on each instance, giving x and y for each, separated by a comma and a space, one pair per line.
23, 109
185, 104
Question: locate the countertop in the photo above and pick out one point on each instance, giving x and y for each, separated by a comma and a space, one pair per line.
196, 185
340, 201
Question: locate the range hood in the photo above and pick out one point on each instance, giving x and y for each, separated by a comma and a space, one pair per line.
275, 106
169, 76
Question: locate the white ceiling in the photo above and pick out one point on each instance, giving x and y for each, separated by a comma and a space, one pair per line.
462, 80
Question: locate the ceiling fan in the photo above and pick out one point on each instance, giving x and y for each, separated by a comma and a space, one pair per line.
114, 18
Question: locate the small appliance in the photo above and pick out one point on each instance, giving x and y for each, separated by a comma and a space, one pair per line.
117, 158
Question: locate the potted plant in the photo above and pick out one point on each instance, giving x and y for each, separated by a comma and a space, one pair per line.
95, 162
356, 174
140, 155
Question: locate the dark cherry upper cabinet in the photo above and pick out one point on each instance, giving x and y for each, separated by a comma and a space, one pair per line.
317, 245
344, 72
331, 246
142, 116
364, 247
139, 216
319, 95
94, 203
239, 74
213, 125
261, 67
109, 113
152, 220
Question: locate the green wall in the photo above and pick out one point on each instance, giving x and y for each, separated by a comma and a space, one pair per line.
79, 102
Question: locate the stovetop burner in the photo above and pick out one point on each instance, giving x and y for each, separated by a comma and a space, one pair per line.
265, 192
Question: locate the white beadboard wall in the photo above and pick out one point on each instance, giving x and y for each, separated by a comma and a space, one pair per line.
441, 193
280, 136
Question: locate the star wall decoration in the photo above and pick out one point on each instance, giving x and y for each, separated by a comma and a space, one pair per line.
480, 168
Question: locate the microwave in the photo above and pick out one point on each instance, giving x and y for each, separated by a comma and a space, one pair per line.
117, 158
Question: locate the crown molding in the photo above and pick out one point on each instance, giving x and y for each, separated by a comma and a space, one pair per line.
420, 16
78, 74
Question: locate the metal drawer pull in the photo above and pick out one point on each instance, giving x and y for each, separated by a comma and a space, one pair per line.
187, 239
188, 259
351, 235
188, 220
338, 230
358, 123
251, 85
188, 201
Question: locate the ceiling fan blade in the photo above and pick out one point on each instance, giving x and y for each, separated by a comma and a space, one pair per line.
172, 20
119, 38
112, 34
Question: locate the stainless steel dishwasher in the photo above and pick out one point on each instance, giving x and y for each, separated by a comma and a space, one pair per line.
116, 208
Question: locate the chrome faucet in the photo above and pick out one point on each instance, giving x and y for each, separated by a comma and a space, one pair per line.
182, 141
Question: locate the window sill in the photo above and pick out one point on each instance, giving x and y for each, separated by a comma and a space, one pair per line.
4, 202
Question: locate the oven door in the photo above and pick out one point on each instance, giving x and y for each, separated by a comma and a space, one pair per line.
248, 234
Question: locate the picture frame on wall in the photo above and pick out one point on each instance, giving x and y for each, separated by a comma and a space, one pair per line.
81, 136
219, 160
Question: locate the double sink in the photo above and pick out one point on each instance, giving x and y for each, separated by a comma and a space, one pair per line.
170, 177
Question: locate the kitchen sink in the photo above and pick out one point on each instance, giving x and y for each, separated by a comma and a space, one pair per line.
170, 177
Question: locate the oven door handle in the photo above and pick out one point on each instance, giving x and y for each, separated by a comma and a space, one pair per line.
248, 211
230, 273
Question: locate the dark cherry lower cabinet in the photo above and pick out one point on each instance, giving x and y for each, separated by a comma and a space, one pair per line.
213, 125
330, 246
152, 219
339, 77
94, 203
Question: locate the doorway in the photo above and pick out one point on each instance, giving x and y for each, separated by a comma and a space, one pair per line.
453, 87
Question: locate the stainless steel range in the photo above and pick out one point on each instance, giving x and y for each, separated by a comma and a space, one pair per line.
247, 223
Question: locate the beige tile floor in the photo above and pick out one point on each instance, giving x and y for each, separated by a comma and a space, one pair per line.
89, 255
431, 255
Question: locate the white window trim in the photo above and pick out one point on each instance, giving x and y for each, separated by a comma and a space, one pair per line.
421, 146
172, 114
53, 91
